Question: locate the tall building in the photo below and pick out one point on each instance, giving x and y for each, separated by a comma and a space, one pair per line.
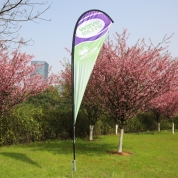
42, 68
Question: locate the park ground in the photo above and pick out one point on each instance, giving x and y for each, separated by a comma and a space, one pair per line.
147, 155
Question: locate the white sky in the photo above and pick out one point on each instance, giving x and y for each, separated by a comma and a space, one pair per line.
142, 18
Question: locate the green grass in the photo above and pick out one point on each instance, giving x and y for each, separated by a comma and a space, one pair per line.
154, 155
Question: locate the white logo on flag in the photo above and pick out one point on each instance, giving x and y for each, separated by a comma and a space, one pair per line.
83, 51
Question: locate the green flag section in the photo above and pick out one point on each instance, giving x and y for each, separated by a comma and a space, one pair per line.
89, 34
85, 58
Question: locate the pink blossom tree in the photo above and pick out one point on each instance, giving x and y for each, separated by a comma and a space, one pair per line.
166, 106
125, 79
18, 81
132, 76
92, 101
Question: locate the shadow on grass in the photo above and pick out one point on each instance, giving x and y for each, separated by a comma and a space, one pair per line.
95, 147
20, 157
154, 132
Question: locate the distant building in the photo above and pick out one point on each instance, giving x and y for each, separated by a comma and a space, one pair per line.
42, 68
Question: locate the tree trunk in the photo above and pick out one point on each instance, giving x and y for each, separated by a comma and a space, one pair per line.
158, 126
172, 127
116, 129
121, 140
91, 132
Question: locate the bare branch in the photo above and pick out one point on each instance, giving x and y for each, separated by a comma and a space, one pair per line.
14, 12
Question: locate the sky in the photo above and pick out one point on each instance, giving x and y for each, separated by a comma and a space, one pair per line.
142, 19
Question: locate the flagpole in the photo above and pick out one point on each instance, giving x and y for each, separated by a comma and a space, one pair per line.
73, 102
73, 114
74, 161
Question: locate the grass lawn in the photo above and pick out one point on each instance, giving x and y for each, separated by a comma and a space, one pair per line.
154, 155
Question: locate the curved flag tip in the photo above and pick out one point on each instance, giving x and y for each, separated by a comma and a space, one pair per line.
88, 37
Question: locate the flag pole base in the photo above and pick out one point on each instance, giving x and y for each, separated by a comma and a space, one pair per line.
74, 165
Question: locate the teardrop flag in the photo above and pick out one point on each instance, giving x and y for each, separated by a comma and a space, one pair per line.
89, 34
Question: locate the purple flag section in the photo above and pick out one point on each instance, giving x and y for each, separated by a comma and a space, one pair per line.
88, 24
